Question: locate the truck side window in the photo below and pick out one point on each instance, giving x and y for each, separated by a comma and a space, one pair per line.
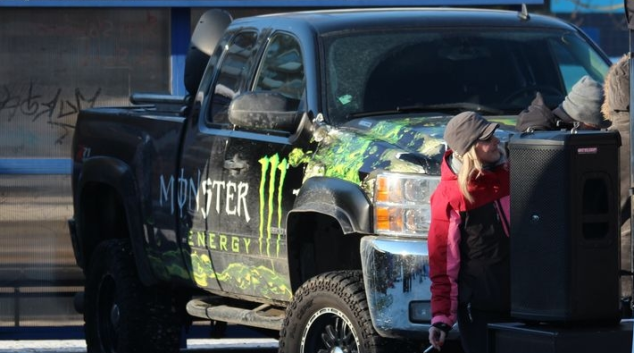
282, 69
233, 75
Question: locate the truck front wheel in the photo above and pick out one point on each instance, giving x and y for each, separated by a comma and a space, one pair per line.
121, 314
329, 313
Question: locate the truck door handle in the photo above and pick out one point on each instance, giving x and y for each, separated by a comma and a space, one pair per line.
235, 164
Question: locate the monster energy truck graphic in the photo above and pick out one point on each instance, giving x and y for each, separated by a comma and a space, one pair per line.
270, 168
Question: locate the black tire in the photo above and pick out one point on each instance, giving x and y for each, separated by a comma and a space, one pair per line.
328, 311
121, 314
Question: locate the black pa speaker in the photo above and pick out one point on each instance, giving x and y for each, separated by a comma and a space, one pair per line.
564, 226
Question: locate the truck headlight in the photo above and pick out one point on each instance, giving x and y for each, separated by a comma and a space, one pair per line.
401, 203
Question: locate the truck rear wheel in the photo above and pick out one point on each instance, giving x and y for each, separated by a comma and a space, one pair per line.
121, 314
329, 313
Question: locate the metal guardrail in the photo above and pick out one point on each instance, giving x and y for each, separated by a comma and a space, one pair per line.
22, 278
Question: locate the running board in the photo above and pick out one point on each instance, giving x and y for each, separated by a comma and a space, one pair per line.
259, 317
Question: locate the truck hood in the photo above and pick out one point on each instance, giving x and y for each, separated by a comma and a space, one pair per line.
412, 144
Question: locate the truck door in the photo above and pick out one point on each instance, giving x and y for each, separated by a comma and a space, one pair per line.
203, 159
249, 250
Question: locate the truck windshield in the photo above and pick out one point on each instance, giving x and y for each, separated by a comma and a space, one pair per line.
501, 69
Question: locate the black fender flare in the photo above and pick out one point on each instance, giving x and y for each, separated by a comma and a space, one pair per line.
340, 199
118, 175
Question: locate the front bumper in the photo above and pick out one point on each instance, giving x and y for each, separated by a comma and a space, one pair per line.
396, 275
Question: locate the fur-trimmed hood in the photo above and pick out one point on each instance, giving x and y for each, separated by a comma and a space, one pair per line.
616, 105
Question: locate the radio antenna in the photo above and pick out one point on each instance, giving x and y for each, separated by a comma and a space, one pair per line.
523, 14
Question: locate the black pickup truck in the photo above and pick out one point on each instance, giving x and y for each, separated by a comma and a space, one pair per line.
288, 191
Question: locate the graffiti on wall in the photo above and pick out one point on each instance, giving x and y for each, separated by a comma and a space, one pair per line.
57, 62
37, 106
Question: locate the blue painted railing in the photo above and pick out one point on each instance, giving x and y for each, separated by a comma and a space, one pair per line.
35, 166
256, 3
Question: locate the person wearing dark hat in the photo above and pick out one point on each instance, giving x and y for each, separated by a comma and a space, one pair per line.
581, 109
616, 109
469, 234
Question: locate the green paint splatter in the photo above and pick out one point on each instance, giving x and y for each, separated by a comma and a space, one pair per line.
274, 160
200, 264
261, 280
283, 167
265, 166
298, 156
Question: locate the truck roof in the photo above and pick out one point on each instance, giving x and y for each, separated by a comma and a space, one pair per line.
327, 21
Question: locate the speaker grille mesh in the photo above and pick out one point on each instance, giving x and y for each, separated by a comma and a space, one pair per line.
564, 227
538, 226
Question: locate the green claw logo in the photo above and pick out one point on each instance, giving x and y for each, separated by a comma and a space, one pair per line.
268, 200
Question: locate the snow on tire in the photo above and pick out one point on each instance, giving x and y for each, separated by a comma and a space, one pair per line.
329, 313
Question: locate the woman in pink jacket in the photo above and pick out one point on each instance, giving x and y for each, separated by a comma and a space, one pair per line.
469, 235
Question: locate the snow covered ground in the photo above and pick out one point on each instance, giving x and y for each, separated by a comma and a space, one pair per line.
193, 345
